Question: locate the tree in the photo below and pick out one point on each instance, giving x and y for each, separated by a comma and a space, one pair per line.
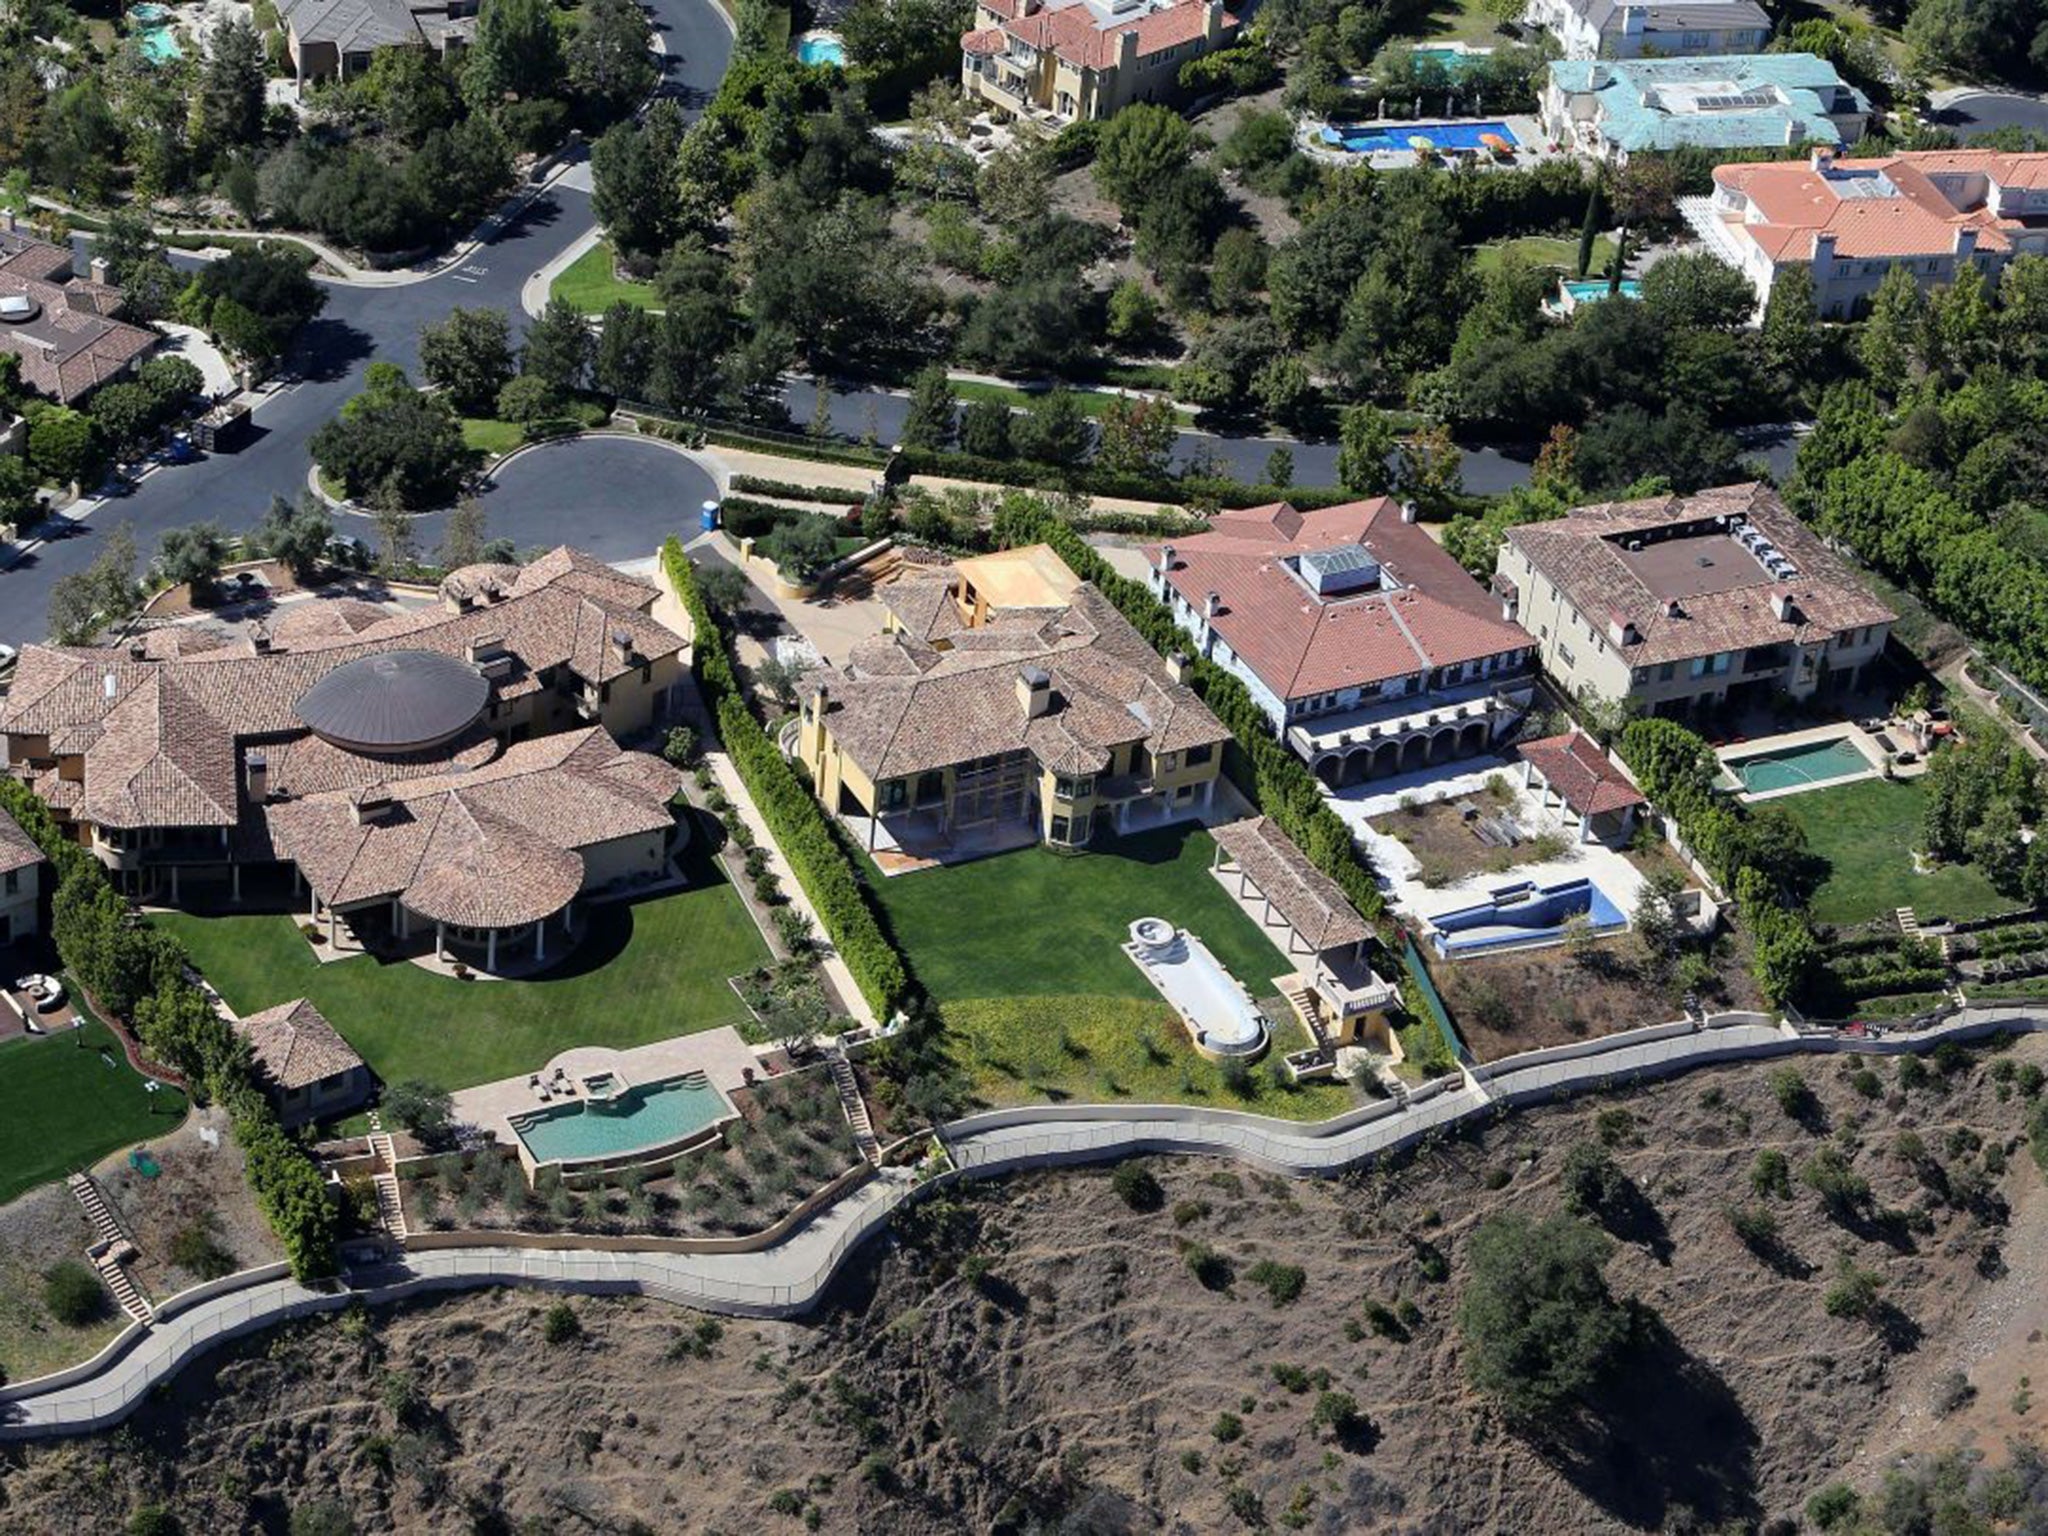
412, 93
1657, 925
1053, 430
462, 541
1428, 468
1791, 328
1141, 149
72, 1294
1698, 292
610, 62
126, 416
1589, 230
723, 588
1133, 316
1885, 347
244, 335
230, 104
270, 282
1592, 1182
84, 601
558, 348
516, 54
985, 429
468, 357
1135, 436
172, 382
64, 446
528, 399
422, 1108
17, 489
803, 546
297, 534
632, 169
933, 409
1284, 390
193, 556
627, 346
1013, 188
1280, 467
1366, 445
1539, 1324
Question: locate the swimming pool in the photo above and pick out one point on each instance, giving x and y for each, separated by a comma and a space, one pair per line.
1453, 61
637, 1119
1525, 913
821, 48
1588, 290
1377, 138
1218, 1012
160, 47
1804, 766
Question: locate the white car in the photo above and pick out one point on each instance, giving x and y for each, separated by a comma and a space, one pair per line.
7, 655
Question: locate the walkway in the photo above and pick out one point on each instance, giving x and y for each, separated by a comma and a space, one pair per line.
788, 1278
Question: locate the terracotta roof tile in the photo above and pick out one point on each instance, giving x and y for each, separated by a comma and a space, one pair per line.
17, 849
1312, 904
294, 1046
1574, 766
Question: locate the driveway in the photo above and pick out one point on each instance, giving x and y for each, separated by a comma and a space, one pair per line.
1971, 114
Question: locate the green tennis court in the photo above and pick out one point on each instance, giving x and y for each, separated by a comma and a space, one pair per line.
1800, 767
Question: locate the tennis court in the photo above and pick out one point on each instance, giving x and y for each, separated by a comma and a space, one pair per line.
1833, 760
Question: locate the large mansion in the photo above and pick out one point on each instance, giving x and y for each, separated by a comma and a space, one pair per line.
1682, 603
1054, 62
453, 772
1369, 648
1006, 697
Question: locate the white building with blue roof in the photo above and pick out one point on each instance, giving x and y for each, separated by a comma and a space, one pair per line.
1612, 108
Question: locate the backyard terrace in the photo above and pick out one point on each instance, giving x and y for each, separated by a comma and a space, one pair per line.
644, 971
1867, 832
1023, 953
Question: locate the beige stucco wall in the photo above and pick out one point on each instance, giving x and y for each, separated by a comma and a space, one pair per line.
18, 913
623, 858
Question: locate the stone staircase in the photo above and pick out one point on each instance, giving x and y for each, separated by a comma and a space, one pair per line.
855, 1106
1303, 1001
390, 1203
111, 1249
1909, 924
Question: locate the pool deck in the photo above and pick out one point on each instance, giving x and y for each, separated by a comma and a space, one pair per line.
1531, 144
1763, 746
720, 1054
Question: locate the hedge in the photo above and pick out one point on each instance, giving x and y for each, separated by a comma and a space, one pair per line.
792, 812
1275, 780
1029, 475
118, 960
836, 495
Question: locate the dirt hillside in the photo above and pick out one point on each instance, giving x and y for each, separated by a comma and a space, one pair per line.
1038, 1355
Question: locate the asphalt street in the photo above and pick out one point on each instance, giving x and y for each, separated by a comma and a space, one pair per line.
1973, 113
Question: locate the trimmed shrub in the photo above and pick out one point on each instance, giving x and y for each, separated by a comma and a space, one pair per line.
73, 1295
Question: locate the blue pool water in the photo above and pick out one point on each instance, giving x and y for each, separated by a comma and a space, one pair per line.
1391, 136
1592, 289
1800, 767
159, 47
651, 1115
1453, 61
1523, 914
821, 50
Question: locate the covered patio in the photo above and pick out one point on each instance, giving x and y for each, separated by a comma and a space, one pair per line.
1338, 995
1591, 793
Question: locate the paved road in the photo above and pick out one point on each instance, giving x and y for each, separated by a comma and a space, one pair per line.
384, 323
1970, 114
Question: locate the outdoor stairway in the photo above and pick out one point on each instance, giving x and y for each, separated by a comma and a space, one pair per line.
109, 1243
390, 1204
856, 1107
1909, 924
1303, 1001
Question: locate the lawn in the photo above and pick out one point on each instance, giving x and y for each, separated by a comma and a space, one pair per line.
1867, 832
1554, 251
491, 438
62, 1107
1035, 923
645, 971
590, 284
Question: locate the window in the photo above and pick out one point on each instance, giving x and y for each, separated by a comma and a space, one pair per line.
893, 795
1168, 761
1565, 655
1062, 830
1668, 671
1201, 754
13, 882
1066, 787
1697, 42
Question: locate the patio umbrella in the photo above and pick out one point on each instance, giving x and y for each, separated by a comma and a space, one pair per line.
1420, 144
1496, 143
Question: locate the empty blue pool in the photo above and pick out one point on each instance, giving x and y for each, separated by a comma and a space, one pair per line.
1523, 914
1376, 138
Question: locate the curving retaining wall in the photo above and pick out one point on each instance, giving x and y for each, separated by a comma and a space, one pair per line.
786, 1278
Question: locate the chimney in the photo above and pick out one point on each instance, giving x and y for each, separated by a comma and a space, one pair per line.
1620, 632
622, 645
1212, 605
373, 805
1127, 49
483, 648
1823, 250
1966, 243
1034, 691
1177, 666
7, 221
98, 268
1165, 558
1212, 22
259, 639
1407, 511
1672, 610
109, 687
1786, 610
821, 698
1821, 161
138, 649
257, 765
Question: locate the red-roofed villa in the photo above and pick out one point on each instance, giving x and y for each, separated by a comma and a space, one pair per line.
1367, 646
1054, 62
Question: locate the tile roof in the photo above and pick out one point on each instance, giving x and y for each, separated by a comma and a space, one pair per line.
1312, 904
1655, 104
1075, 32
1574, 766
1877, 208
1301, 644
903, 705
17, 849
1675, 15
494, 846
295, 1047
1676, 616
72, 344
353, 26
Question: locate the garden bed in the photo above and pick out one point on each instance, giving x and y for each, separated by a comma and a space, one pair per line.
1447, 845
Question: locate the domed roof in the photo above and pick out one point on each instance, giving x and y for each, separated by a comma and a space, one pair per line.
395, 701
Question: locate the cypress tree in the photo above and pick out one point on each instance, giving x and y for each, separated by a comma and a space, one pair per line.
1590, 230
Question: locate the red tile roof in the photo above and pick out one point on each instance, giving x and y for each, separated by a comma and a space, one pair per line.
1074, 33
1797, 200
72, 345
1574, 766
1300, 644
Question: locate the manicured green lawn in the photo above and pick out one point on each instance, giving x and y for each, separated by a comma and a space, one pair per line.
494, 439
1867, 832
590, 285
63, 1107
645, 971
1545, 251
1035, 923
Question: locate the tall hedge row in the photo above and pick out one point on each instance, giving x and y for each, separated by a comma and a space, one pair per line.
1274, 778
787, 805
138, 974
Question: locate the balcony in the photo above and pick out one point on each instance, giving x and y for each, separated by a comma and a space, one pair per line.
1489, 699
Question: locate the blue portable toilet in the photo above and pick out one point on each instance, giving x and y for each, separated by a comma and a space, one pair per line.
708, 517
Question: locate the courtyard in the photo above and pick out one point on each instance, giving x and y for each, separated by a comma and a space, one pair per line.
1867, 831
644, 971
